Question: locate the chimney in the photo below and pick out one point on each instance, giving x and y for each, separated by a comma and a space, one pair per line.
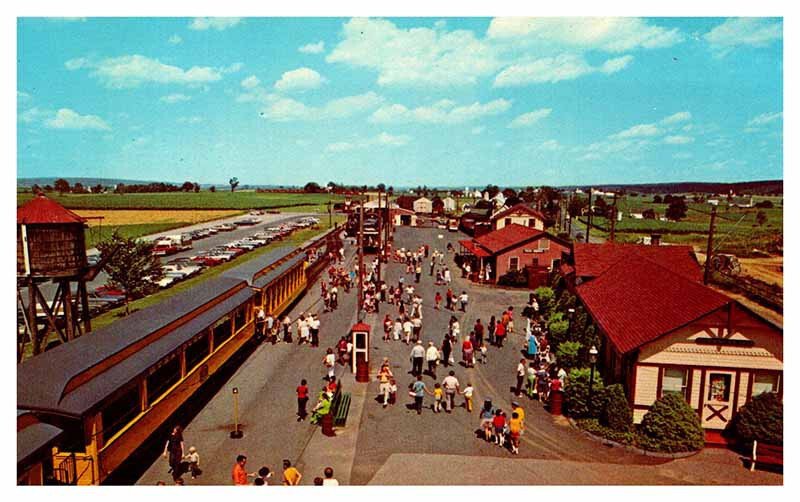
655, 239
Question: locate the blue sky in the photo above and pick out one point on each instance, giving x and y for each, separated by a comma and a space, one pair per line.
408, 101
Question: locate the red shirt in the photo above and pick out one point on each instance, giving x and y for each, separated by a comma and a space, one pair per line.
500, 329
302, 391
467, 345
499, 421
239, 475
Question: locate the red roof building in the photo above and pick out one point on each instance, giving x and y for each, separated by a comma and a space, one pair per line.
663, 331
406, 202
520, 214
44, 211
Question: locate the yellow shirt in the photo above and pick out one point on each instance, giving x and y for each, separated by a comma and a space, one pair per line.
515, 425
291, 476
438, 393
519, 411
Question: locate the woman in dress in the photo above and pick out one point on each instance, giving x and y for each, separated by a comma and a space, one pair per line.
466, 352
173, 452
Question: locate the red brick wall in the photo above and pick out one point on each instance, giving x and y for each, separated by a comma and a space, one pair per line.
545, 257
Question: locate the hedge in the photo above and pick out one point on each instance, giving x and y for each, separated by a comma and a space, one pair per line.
576, 394
671, 426
617, 414
760, 419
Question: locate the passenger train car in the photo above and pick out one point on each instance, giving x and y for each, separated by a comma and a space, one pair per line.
86, 406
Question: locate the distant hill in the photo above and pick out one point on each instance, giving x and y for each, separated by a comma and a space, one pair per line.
87, 182
767, 187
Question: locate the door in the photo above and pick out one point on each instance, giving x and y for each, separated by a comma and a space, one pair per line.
718, 399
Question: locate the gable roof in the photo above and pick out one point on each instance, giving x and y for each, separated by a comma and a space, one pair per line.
508, 236
636, 301
41, 210
593, 260
523, 208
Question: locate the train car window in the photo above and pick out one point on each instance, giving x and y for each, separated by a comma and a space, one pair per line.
196, 352
164, 377
119, 412
222, 331
239, 318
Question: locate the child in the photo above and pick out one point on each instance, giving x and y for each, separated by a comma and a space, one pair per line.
468, 397
514, 432
486, 420
393, 391
438, 394
302, 400
437, 300
264, 474
194, 462
484, 352
499, 424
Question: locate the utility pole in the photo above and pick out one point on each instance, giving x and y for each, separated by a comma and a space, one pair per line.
380, 239
709, 250
360, 257
613, 216
330, 215
589, 225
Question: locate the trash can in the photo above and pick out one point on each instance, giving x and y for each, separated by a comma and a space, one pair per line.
556, 398
327, 424
362, 371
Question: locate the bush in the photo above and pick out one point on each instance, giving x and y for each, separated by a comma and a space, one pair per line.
595, 427
760, 419
617, 415
576, 394
567, 354
546, 298
515, 278
671, 426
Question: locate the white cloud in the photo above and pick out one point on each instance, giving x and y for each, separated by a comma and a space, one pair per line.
477, 129
190, 120
282, 109
555, 69
676, 118
441, 112
637, 131
250, 82
610, 34
416, 56
382, 139
174, 98
530, 118
551, 145
232, 68
69, 119
132, 71
216, 23
678, 140
34, 115
301, 79
743, 31
175, 39
315, 48
23, 96
764, 119
682, 155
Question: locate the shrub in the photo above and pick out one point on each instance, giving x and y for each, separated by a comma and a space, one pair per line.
576, 394
515, 278
567, 354
558, 332
671, 426
595, 427
617, 415
760, 419
546, 298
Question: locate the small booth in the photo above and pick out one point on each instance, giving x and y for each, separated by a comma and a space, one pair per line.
360, 333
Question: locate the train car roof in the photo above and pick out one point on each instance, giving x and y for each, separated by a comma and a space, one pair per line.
41, 380
34, 440
248, 270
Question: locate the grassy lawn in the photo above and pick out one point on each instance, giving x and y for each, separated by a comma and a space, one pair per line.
183, 200
293, 240
98, 234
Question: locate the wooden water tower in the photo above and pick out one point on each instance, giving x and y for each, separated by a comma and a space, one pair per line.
50, 248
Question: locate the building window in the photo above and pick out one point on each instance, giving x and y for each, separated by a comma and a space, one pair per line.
239, 318
195, 352
119, 412
513, 264
719, 387
507, 221
165, 376
765, 382
544, 244
532, 222
674, 381
222, 331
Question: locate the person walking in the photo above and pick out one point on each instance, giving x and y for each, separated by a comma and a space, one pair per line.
408, 328
491, 330
313, 326
449, 296
447, 348
418, 390
499, 333
520, 377
385, 377
193, 459
173, 452
239, 474
467, 352
302, 400
451, 388
469, 390
416, 327
463, 299
329, 479
417, 273
397, 329
478, 329
432, 357
329, 361
437, 300
291, 476
287, 329
432, 266
417, 356
387, 327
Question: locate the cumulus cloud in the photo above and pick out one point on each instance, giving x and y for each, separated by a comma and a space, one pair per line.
477, 129
416, 56
678, 140
250, 82
174, 98
34, 114
551, 145
555, 69
66, 118
617, 34
382, 139
676, 118
530, 118
764, 119
232, 68
282, 109
743, 31
441, 112
301, 79
315, 48
638, 131
215, 23
132, 71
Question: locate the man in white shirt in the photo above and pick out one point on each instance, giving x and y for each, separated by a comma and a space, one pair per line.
329, 479
417, 356
451, 387
408, 327
464, 299
520, 376
432, 356
314, 324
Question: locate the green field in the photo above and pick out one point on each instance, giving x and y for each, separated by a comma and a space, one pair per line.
98, 234
314, 202
737, 230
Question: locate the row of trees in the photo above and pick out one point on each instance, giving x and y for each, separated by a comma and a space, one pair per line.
63, 186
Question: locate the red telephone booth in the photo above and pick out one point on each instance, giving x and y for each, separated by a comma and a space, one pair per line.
360, 333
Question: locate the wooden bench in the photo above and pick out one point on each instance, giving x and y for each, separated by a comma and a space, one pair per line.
340, 408
764, 453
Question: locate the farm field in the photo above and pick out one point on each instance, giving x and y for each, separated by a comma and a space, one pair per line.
94, 235
242, 200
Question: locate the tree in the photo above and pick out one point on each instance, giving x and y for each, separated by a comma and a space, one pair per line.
567, 355
677, 209
576, 205
212, 189
36, 189
617, 414
671, 426
657, 199
600, 207
381, 187
312, 187
98, 188
761, 218
760, 419
649, 214
48, 188
492, 189
131, 265
61, 185
196, 187
234, 182
765, 204
576, 393
120, 188
78, 188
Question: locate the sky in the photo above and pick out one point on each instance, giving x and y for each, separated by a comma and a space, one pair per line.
431, 101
